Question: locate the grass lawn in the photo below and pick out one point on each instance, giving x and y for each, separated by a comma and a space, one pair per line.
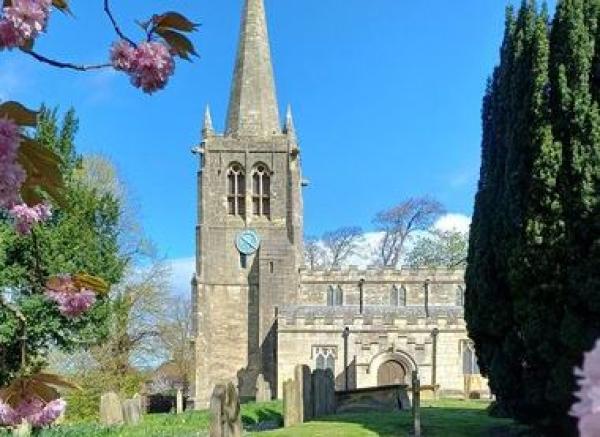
444, 418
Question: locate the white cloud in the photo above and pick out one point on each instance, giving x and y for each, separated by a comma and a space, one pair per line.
453, 222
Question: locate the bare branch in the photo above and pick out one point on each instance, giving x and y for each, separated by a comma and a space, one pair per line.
115, 24
341, 244
60, 64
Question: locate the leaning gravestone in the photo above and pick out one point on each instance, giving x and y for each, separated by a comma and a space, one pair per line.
226, 419
263, 389
111, 411
132, 412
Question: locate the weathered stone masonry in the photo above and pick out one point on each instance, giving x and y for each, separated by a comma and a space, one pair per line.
264, 313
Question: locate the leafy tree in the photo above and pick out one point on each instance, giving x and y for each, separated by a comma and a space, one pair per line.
439, 249
80, 238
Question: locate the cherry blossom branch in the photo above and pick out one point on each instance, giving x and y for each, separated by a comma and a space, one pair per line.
115, 24
60, 64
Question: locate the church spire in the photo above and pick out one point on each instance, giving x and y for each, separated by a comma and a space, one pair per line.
289, 128
253, 104
207, 127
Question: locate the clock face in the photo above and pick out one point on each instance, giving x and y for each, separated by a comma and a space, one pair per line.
247, 242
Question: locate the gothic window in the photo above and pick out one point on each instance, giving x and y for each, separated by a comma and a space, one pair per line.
261, 191
469, 358
330, 296
398, 296
460, 296
325, 357
236, 190
339, 297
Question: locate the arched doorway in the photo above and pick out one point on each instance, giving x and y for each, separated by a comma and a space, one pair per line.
391, 372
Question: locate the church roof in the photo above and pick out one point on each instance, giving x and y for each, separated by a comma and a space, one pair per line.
253, 110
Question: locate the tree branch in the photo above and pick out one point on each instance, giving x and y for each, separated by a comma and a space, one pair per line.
60, 64
115, 24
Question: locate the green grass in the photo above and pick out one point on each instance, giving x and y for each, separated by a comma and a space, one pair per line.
444, 418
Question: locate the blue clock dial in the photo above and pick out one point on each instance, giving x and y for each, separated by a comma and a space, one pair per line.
247, 242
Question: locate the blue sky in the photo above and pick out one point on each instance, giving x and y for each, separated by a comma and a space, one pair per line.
386, 97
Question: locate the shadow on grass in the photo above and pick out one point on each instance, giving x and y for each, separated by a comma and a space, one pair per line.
442, 418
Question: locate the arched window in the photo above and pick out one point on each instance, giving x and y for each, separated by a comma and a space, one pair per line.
330, 364
460, 296
398, 296
320, 361
236, 190
470, 366
330, 296
394, 296
339, 297
261, 191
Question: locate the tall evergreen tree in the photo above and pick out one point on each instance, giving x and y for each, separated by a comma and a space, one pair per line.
81, 238
535, 238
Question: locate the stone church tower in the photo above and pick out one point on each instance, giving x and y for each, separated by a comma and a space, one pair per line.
249, 233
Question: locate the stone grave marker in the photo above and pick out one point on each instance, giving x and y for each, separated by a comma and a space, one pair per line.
179, 401
132, 412
263, 389
111, 411
226, 419
416, 407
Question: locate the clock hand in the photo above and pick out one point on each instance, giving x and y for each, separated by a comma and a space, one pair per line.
249, 243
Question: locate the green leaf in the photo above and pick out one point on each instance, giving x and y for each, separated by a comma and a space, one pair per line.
179, 43
174, 20
18, 113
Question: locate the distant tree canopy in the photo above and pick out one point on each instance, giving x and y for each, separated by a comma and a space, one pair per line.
80, 238
533, 275
439, 249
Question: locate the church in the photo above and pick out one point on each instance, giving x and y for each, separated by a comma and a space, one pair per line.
257, 309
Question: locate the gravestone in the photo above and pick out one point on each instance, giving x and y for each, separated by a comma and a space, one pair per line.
179, 401
416, 409
303, 381
263, 389
139, 399
111, 411
22, 430
226, 419
291, 404
132, 412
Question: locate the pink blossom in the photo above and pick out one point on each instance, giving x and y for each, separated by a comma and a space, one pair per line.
121, 55
587, 408
9, 36
12, 177
149, 65
28, 17
152, 66
72, 304
33, 410
9, 139
26, 217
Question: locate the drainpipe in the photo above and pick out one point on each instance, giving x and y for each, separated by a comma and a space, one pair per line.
427, 282
434, 335
361, 284
346, 334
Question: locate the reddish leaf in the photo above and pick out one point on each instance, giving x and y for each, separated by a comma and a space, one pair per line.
42, 166
174, 20
18, 113
179, 43
61, 5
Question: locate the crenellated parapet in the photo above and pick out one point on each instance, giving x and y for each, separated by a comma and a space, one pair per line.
382, 274
373, 318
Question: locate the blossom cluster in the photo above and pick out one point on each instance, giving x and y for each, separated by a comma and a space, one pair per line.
12, 174
26, 217
587, 408
23, 20
72, 301
149, 65
33, 410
